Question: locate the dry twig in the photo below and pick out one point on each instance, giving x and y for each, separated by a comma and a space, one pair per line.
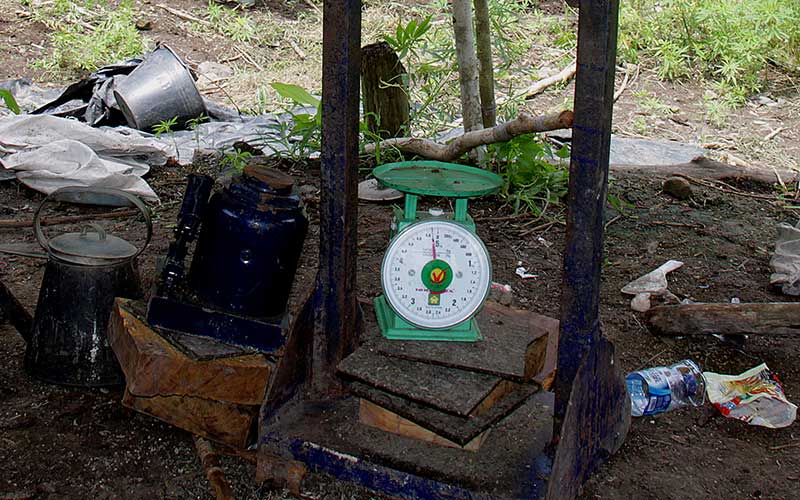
784, 446
523, 124
775, 132
247, 57
296, 48
562, 76
183, 15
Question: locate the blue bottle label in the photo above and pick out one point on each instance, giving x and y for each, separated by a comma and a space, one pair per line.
659, 396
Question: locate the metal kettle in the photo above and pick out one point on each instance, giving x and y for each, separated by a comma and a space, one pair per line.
66, 339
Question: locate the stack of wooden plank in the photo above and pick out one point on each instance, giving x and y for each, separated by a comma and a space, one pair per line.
208, 388
452, 393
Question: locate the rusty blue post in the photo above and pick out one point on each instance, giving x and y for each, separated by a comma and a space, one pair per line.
335, 305
588, 184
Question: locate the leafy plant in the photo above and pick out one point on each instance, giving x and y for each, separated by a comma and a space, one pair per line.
236, 160
167, 127
194, 125
305, 134
407, 36
11, 102
534, 179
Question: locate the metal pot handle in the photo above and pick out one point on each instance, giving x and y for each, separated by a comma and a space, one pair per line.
133, 199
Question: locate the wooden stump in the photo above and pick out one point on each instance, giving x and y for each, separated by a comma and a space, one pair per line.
385, 93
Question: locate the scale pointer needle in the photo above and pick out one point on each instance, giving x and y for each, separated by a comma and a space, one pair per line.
433, 245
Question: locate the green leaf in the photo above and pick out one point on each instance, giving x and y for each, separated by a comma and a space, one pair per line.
564, 152
295, 93
11, 103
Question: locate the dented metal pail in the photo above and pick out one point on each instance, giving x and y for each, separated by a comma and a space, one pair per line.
159, 89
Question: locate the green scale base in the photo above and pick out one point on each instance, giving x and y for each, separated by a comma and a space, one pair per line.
395, 328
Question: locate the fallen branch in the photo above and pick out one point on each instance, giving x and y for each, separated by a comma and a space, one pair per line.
562, 76
69, 219
183, 15
523, 124
775, 318
215, 474
701, 182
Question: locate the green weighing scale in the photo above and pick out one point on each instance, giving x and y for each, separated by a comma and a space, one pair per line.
436, 272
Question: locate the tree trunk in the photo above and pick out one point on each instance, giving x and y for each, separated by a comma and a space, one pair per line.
467, 65
386, 106
486, 76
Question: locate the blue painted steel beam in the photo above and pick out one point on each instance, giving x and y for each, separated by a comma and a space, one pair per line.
387, 480
335, 306
588, 185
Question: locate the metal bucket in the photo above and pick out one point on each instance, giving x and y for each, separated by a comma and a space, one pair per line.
159, 89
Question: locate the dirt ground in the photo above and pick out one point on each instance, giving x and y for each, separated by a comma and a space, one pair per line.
61, 443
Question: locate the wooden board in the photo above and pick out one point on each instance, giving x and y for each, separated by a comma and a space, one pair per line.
460, 430
154, 366
596, 422
457, 392
226, 423
514, 345
373, 415
777, 318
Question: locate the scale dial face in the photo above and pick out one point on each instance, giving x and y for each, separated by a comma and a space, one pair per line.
436, 274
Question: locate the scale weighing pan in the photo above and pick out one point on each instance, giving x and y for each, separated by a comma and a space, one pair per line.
437, 178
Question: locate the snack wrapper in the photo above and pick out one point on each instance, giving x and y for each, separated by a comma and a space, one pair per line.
755, 397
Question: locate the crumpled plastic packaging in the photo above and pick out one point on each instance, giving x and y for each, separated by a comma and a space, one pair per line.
755, 396
48, 153
786, 259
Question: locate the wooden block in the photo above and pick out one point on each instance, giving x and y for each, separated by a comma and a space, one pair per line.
514, 345
547, 374
776, 318
155, 367
460, 430
227, 423
375, 416
458, 392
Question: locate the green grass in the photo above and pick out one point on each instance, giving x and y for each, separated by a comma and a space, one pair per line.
88, 34
730, 43
230, 23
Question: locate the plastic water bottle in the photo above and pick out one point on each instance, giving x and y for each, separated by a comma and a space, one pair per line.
664, 388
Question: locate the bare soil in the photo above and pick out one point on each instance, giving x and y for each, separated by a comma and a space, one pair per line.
65, 443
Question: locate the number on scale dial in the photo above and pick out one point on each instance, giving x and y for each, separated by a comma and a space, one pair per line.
436, 274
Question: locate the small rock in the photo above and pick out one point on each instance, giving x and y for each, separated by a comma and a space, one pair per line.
678, 187
307, 191
144, 25
213, 71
